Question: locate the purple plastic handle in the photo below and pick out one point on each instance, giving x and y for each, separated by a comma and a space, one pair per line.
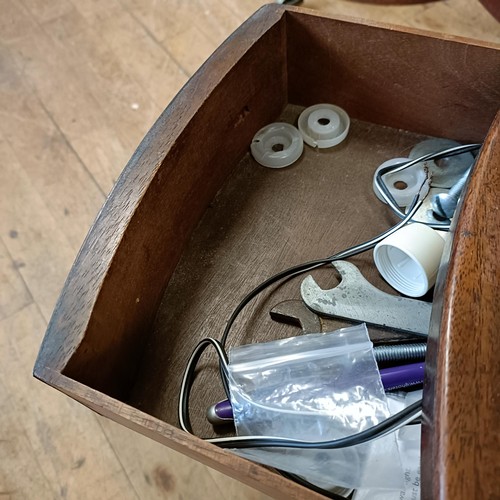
220, 413
395, 377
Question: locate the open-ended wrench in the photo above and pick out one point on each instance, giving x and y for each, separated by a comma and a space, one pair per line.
357, 299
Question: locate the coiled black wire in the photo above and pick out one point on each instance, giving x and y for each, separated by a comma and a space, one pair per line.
189, 373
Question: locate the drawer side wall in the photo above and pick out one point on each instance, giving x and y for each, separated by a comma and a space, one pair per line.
426, 84
241, 88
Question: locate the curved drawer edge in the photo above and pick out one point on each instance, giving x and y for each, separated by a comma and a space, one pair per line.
460, 440
83, 285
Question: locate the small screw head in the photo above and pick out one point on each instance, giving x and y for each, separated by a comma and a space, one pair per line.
444, 205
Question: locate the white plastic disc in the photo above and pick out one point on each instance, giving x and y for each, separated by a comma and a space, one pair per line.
324, 125
277, 145
403, 185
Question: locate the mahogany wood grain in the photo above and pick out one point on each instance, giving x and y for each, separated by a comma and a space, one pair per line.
461, 436
95, 348
407, 79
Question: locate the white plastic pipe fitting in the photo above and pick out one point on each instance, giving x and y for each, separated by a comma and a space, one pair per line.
409, 258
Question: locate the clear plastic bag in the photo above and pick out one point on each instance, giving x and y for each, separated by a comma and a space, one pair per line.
408, 439
315, 387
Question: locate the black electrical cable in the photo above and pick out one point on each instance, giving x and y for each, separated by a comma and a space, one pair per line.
404, 417
379, 430
189, 373
309, 266
385, 427
386, 194
188, 379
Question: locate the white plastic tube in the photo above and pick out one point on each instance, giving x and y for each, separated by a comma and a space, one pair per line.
409, 258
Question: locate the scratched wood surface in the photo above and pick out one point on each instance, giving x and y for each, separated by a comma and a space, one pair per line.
80, 84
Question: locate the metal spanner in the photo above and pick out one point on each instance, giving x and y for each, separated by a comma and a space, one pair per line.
357, 299
296, 312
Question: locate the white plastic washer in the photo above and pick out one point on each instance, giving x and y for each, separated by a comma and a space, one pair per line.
403, 185
277, 145
324, 125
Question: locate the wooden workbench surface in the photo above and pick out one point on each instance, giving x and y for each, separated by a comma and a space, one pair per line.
81, 82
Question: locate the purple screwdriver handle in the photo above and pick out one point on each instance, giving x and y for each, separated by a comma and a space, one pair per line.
395, 377
220, 413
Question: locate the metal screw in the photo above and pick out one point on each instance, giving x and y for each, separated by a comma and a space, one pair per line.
445, 204
400, 352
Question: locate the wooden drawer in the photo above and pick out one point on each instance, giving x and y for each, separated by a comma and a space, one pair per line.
193, 223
